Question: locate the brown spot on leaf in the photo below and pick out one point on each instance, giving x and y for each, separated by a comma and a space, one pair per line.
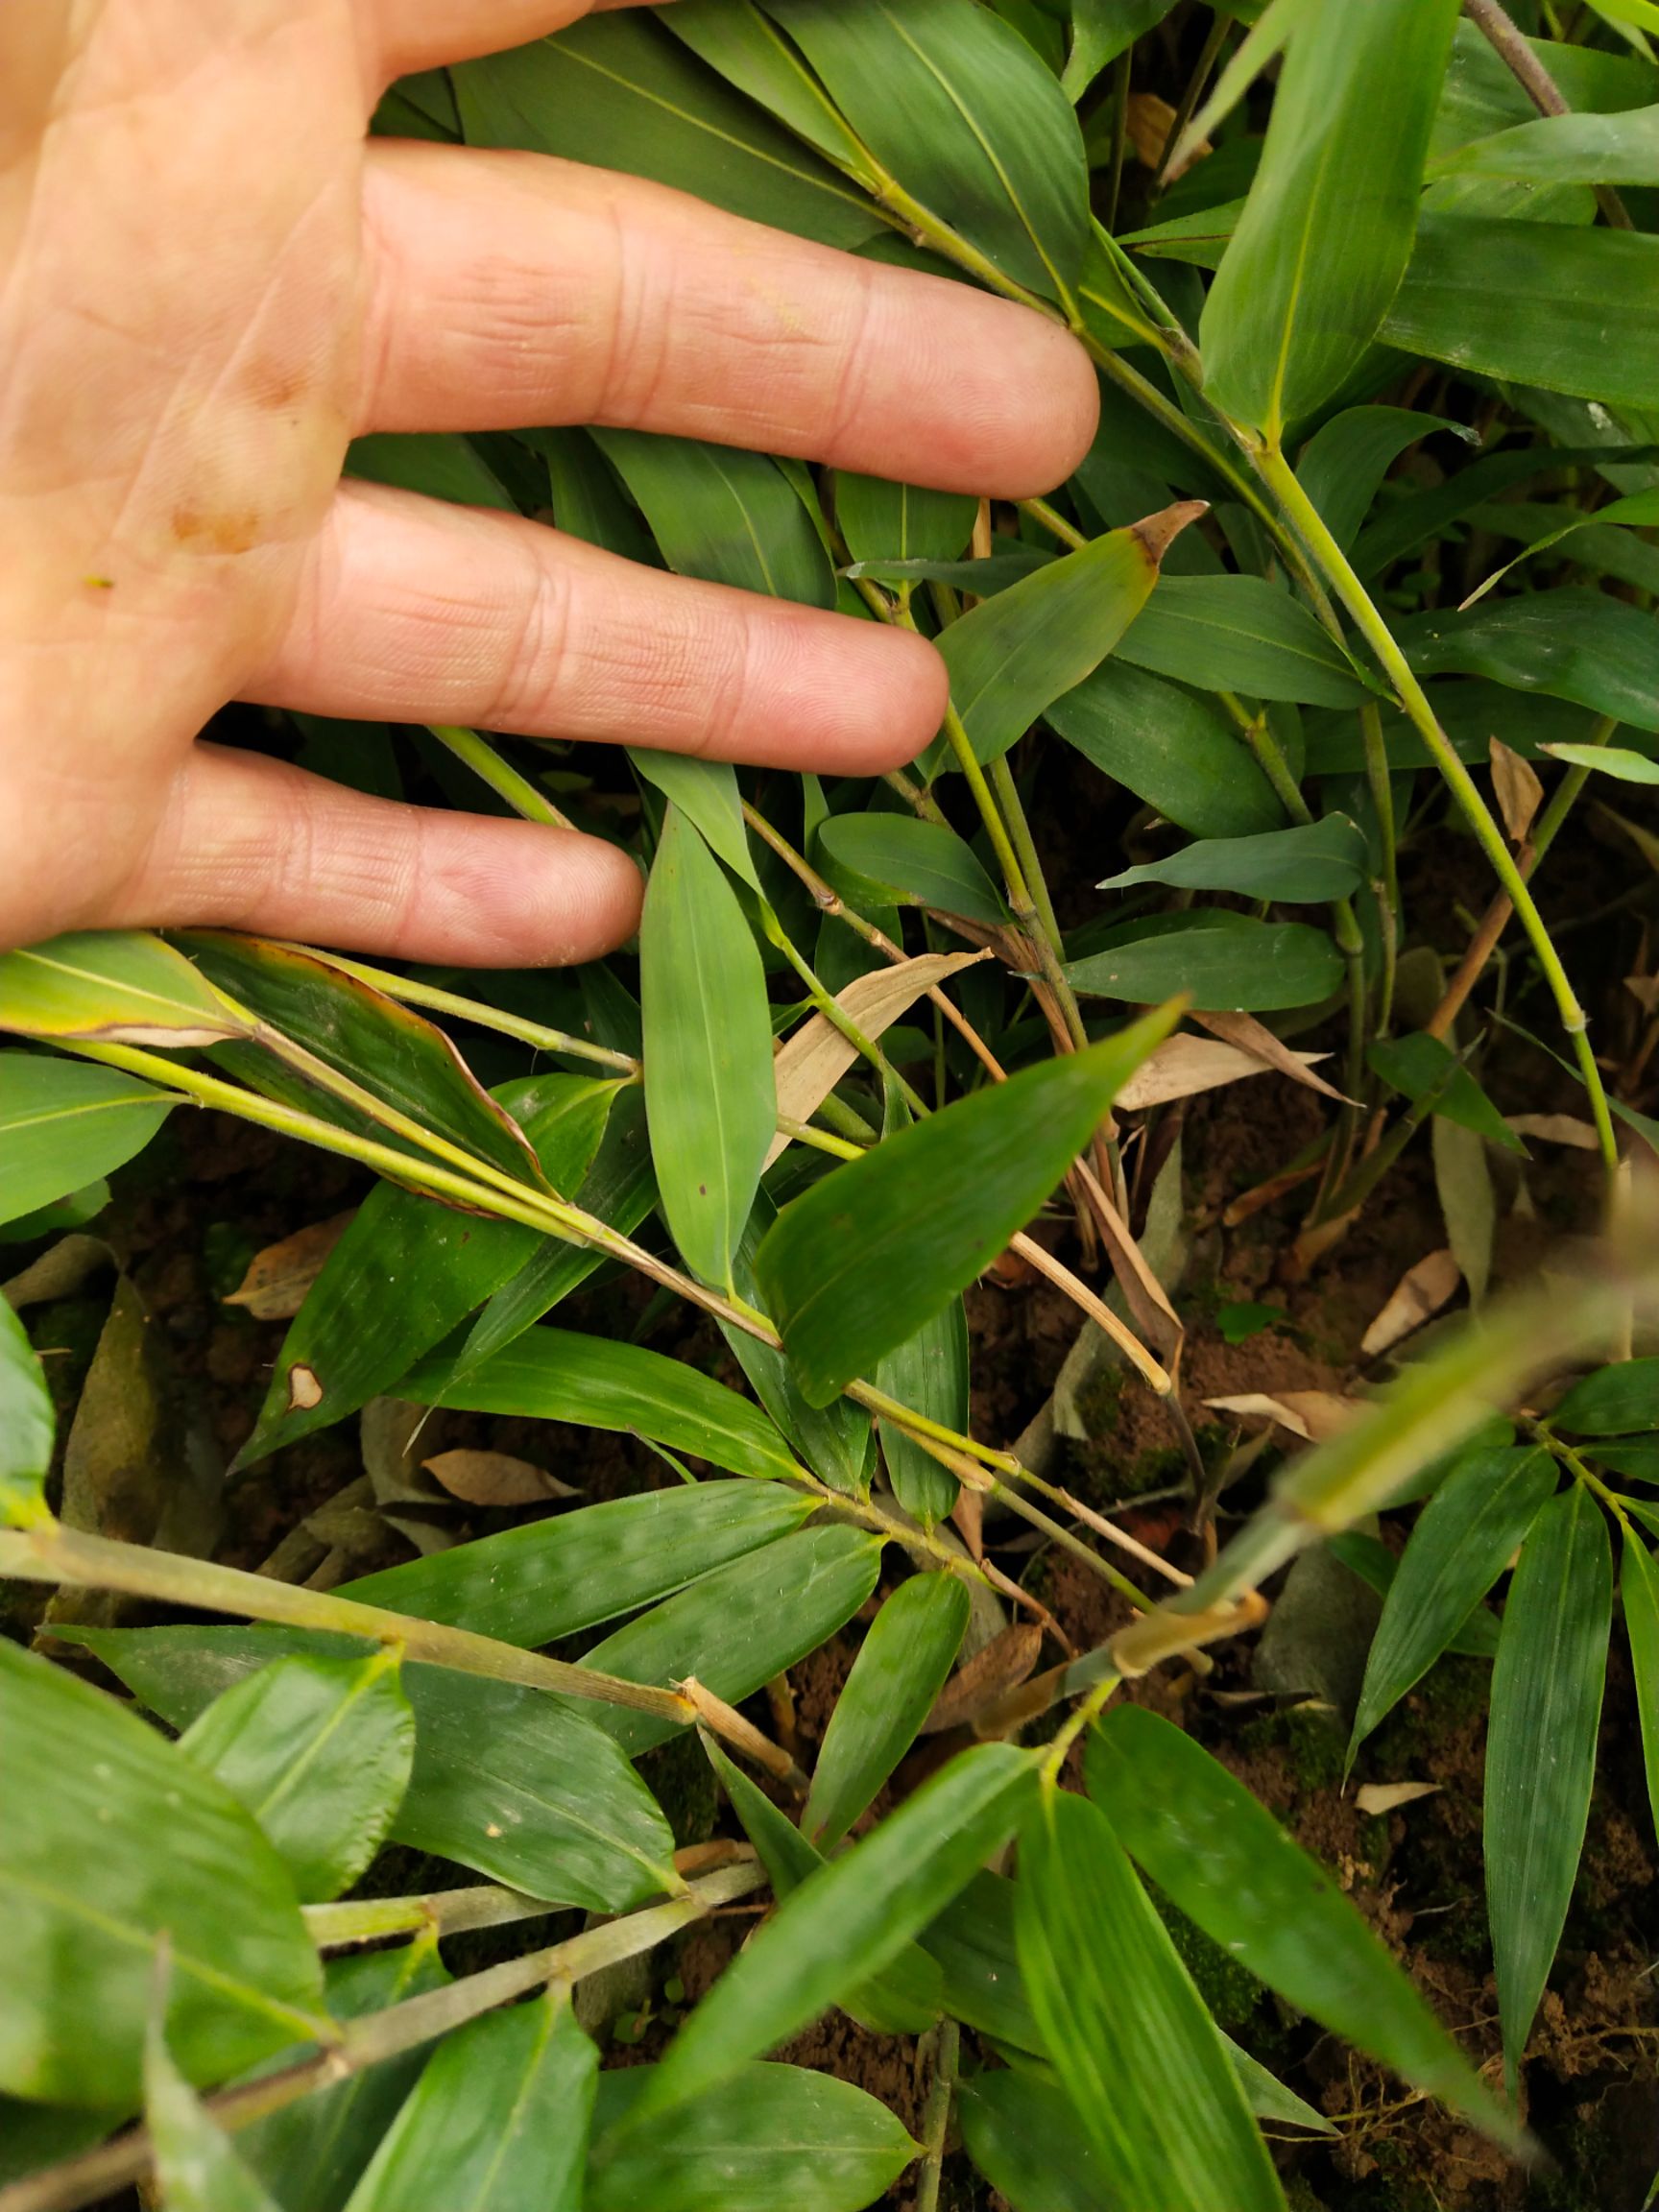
304, 1391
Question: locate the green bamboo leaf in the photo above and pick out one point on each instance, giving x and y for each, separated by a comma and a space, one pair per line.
1639, 1596
1541, 1747
605, 1383
437, 464
739, 1626
115, 986
1614, 760
882, 521
1567, 643
1125, 2030
27, 1425
1637, 1456
314, 2150
953, 103
618, 1189
1614, 1401
523, 1787
1532, 302
1469, 1532
1327, 229
196, 2167
708, 1090
1024, 2135
498, 2120
906, 862
1343, 465
408, 1269
855, 1266
1173, 750
1241, 634
1421, 1067
902, 1663
65, 1124
1229, 1865
618, 92
1224, 961
319, 1751
1605, 544
736, 38
1307, 865
928, 1372
1101, 31
1011, 657
392, 1051
848, 1922
112, 1843
706, 792
904, 1998
548, 1579
728, 517
1009, 562
1564, 150
771, 2136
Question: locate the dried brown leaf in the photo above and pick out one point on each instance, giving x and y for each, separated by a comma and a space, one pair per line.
1388, 1796
990, 1673
60, 1270
496, 1479
1555, 1129
810, 1064
1468, 1202
1151, 121
1184, 1066
1310, 1415
1420, 1292
1258, 1040
278, 1278
1517, 789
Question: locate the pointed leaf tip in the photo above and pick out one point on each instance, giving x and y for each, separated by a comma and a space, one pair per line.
1157, 533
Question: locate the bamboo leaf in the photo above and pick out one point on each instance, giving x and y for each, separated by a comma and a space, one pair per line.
1343, 465
1564, 150
1307, 865
848, 1922
620, 93
1024, 2135
882, 521
113, 985
736, 1628
196, 2167
953, 103
64, 1124
928, 1373
1226, 1862
1421, 1067
1173, 750
1468, 1533
1327, 229
736, 38
906, 862
522, 1787
1541, 1747
1532, 302
605, 1383
710, 1095
1614, 760
706, 792
1011, 657
408, 1269
497, 2121
548, 1579
1241, 634
1567, 643
771, 2136
1614, 1401
729, 517
1101, 31
113, 1842
906, 1654
1639, 1596
855, 1266
27, 1424
1226, 962
1125, 2030
319, 1751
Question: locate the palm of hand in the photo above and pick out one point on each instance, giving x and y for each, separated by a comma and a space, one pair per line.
209, 282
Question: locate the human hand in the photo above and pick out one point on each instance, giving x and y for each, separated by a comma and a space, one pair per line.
210, 280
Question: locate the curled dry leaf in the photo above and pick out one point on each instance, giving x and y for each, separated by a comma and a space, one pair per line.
1000, 1666
63, 1269
1517, 787
1310, 1415
496, 1479
810, 1064
1420, 1292
1256, 1037
1388, 1796
1150, 120
278, 1278
1555, 1129
1645, 989
1184, 1066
